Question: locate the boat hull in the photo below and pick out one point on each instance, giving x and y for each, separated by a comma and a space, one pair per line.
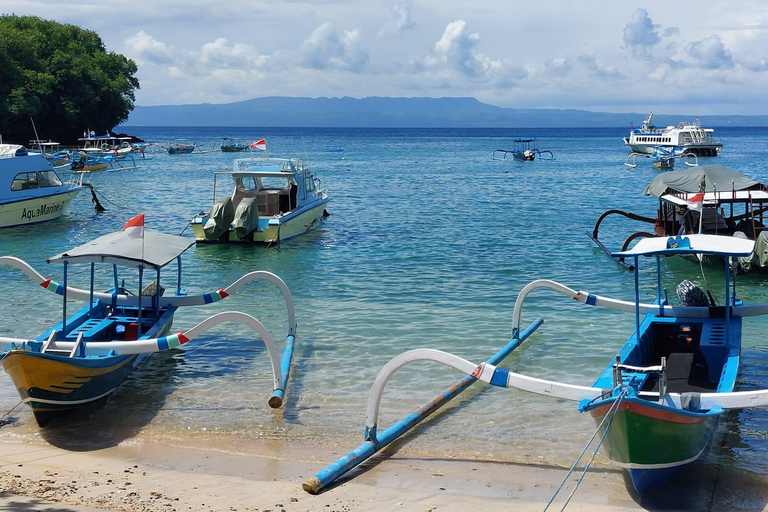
54, 384
654, 443
37, 209
272, 229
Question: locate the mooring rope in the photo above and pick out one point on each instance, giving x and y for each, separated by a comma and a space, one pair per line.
608, 416
3, 421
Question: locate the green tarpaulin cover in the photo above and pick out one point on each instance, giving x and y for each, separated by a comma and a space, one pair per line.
714, 177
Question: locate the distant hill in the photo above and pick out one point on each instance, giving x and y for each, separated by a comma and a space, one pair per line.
376, 112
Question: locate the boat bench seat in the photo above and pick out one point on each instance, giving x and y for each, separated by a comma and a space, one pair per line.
91, 328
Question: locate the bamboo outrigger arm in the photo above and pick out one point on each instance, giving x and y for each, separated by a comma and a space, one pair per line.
626, 306
484, 372
122, 299
168, 342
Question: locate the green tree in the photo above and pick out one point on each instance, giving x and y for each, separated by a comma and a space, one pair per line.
62, 78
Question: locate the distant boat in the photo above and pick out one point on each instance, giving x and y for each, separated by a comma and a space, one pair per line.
179, 147
523, 150
233, 145
691, 137
30, 189
336, 149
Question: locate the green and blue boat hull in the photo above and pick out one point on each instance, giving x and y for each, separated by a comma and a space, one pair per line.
653, 442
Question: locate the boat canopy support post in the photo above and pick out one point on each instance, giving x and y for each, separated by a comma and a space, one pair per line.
375, 441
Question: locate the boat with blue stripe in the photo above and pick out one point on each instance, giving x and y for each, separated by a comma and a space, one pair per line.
84, 358
657, 402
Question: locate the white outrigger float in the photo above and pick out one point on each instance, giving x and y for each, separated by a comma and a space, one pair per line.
656, 404
85, 358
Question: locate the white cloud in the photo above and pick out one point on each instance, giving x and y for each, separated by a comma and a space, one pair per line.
710, 53
401, 18
144, 48
327, 49
458, 51
558, 67
640, 34
219, 53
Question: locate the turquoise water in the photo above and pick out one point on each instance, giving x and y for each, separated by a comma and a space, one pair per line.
427, 245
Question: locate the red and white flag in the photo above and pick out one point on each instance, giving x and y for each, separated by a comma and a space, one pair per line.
259, 144
696, 201
134, 228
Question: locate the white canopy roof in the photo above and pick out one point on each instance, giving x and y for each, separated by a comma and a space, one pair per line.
691, 244
155, 250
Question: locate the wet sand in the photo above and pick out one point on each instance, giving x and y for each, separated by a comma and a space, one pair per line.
151, 477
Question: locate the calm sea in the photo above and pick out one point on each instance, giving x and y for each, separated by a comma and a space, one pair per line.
428, 243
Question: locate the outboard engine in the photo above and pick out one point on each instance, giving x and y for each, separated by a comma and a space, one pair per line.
691, 295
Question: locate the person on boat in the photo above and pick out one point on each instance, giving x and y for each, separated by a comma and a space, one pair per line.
293, 191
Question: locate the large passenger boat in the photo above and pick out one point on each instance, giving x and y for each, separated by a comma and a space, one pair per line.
691, 137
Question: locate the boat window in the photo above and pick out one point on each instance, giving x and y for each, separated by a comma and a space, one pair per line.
49, 179
309, 183
269, 182
24, 181
249, 183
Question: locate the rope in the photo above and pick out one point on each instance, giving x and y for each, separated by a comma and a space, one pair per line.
3, 421
611, 413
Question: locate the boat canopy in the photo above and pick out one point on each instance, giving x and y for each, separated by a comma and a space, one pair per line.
155, 250
714, 177
12, 150
690, 244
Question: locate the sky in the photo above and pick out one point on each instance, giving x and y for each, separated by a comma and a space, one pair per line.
702, 58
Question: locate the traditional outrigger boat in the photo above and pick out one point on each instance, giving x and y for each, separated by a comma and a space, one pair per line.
523, 150
180, 147
83, 359
710, 199
656, 404
274, 199
30, 189
233, 145
663, 157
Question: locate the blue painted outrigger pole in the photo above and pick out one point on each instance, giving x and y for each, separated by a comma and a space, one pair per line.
375, 442
276, 400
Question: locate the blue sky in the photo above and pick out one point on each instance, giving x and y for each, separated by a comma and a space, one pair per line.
602, 55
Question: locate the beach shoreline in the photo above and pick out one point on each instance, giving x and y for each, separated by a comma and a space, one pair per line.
152, 477
156, 477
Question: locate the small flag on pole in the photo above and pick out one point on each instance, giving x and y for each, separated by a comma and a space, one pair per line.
696, 202
259, 144
134, 228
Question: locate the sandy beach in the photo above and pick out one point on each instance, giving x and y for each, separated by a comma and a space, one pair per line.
149, 477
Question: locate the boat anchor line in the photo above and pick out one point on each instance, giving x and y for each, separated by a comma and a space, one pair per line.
615, 407
174, 341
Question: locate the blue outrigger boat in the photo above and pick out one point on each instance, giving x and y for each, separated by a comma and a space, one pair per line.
84, 358
656, 404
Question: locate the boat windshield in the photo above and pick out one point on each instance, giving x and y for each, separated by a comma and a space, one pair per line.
49, 179
273, 182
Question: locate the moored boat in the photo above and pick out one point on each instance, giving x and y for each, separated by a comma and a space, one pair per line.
656, 404
523, 150
32, 192
272, 200
691, 137
85, 357
180, 147
709, 199
233, 145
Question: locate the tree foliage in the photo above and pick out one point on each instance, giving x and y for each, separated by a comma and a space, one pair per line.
62, 78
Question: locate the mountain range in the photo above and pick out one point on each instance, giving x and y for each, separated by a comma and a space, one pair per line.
379, 112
